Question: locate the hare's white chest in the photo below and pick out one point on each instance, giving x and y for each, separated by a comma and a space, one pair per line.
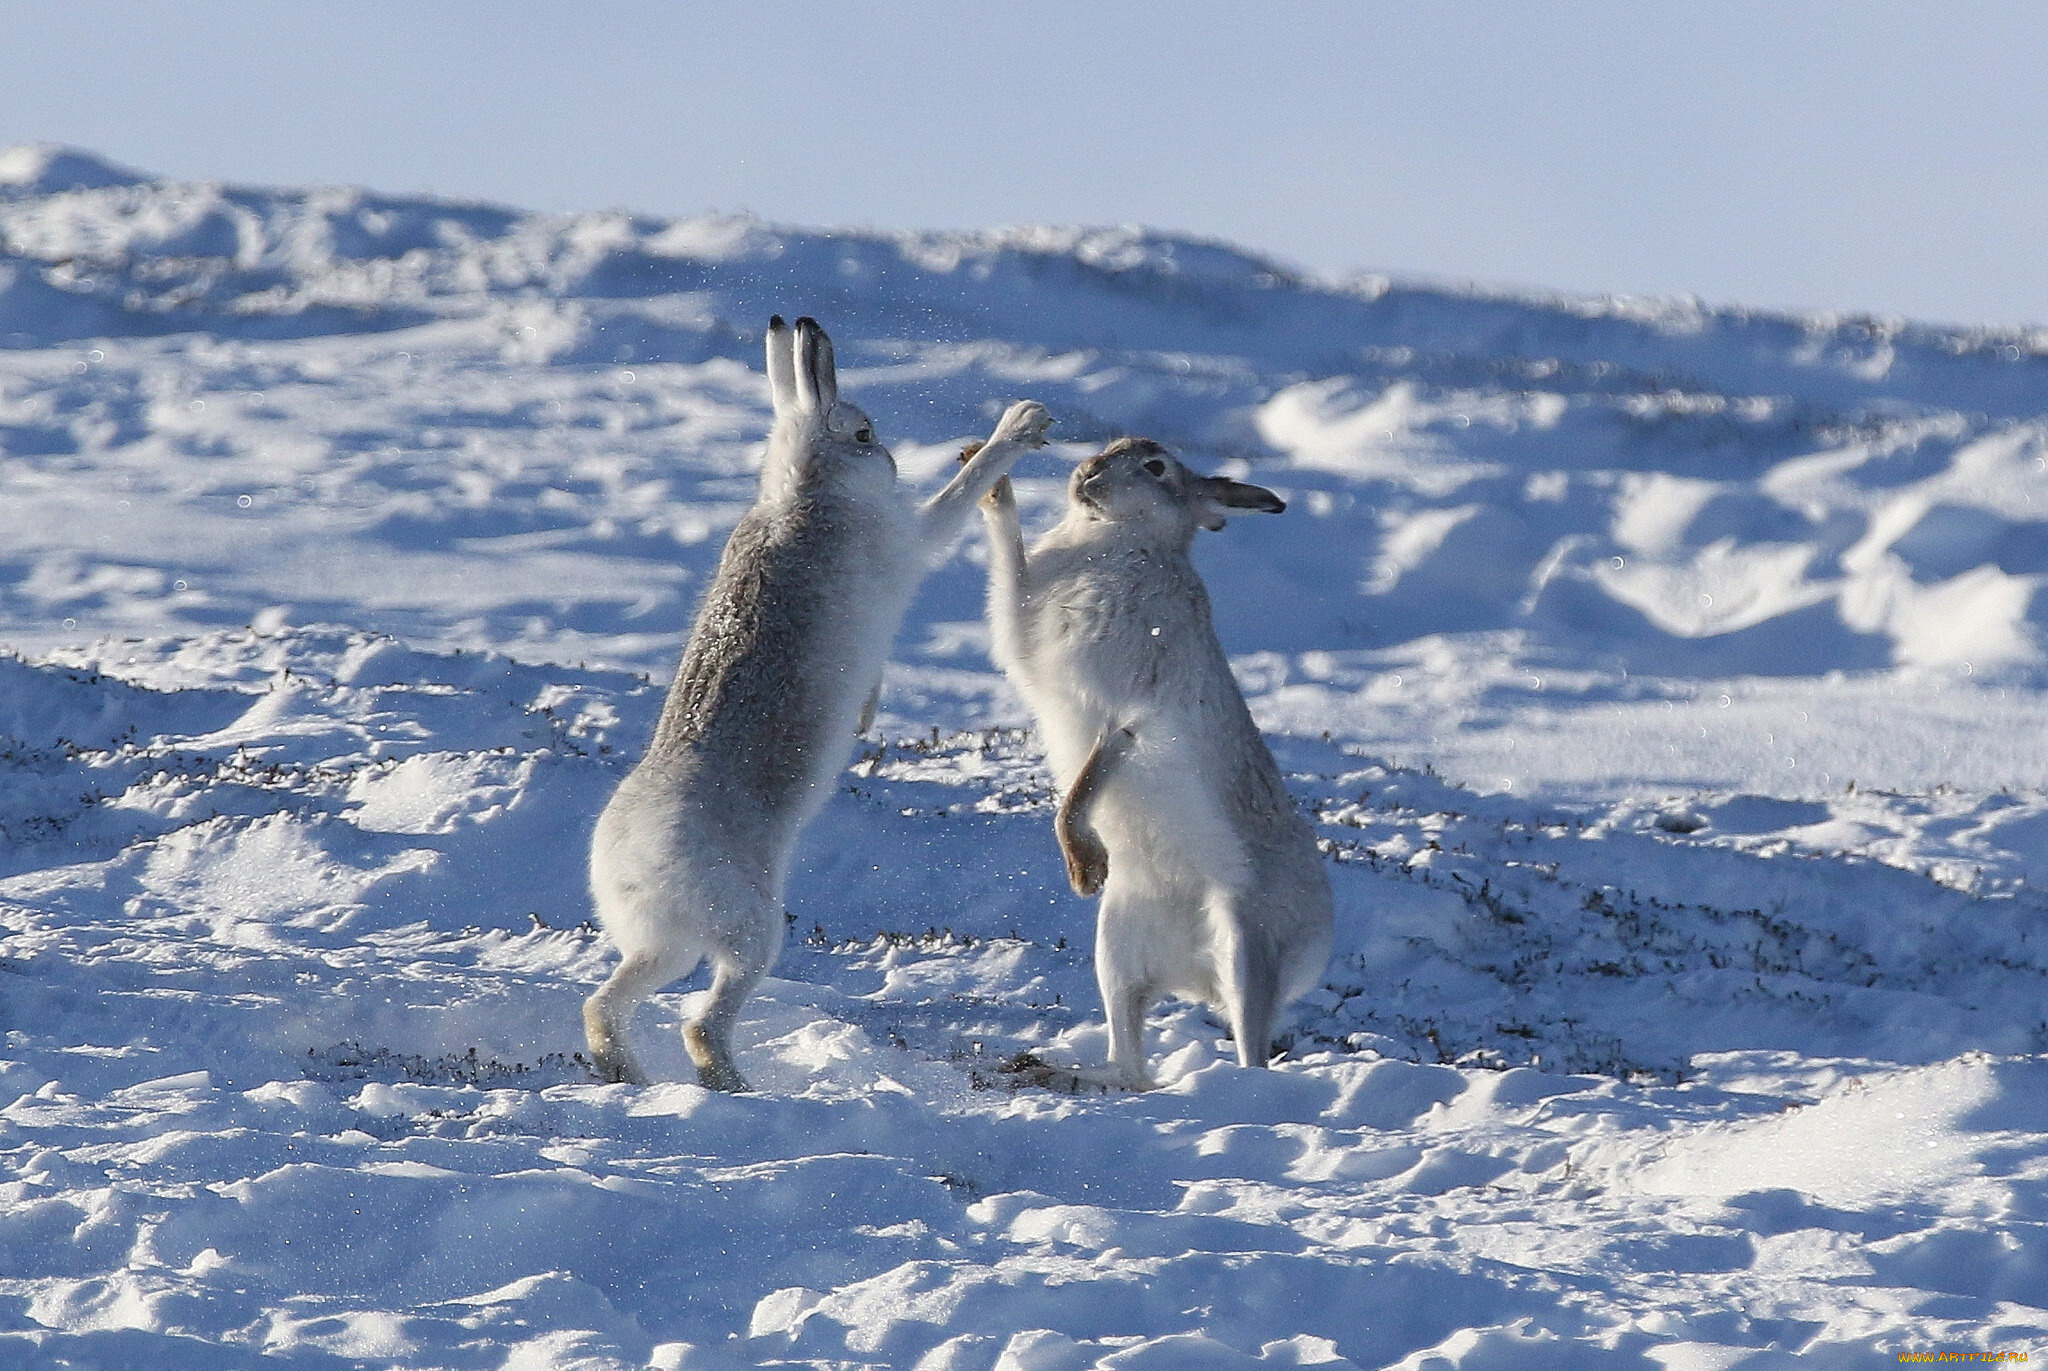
871, 543
887, 567
1120, 638
1106, 636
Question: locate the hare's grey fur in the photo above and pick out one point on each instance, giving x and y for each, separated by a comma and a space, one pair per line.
692, 853
1212, 887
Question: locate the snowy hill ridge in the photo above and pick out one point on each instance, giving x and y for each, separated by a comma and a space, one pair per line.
124, 253
1861, 491
1665, 684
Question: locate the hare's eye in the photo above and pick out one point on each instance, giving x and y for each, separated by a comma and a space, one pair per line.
1156, 467
864, 434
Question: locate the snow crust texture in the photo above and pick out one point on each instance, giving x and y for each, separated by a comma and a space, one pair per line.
1666, 684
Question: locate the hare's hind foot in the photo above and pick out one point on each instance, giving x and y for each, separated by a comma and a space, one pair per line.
610, 1058
716, 1069
1029, 1071
708, 1037
617, 1070
610, 1009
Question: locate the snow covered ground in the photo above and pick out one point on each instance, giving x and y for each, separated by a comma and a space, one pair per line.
1668, 684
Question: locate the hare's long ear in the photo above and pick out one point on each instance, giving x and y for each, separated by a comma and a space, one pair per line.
1215, 494
817, 380
781, 367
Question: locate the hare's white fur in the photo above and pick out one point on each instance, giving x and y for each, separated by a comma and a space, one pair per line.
1212, 886
692, 853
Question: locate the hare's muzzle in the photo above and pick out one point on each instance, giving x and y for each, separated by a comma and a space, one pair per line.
1081, 486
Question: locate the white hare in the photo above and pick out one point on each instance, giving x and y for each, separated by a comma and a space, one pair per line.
692, 853
1174, 810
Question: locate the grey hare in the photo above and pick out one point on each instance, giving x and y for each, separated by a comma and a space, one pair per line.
1175, 811
692, 854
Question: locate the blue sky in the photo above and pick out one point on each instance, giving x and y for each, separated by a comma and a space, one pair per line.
1884, 157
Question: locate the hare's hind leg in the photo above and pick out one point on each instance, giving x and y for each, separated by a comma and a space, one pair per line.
736, 968
1126, 1005
709, 1036
1248, 975
1126, 991
607, 1013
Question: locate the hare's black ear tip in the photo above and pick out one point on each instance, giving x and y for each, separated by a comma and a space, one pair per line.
775, 322
806, 321
1278, 506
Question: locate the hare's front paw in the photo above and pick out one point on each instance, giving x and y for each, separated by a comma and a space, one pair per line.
1024, 424
1087, 859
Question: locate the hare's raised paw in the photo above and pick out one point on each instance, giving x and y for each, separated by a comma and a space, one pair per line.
1024, 424
1087, 860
